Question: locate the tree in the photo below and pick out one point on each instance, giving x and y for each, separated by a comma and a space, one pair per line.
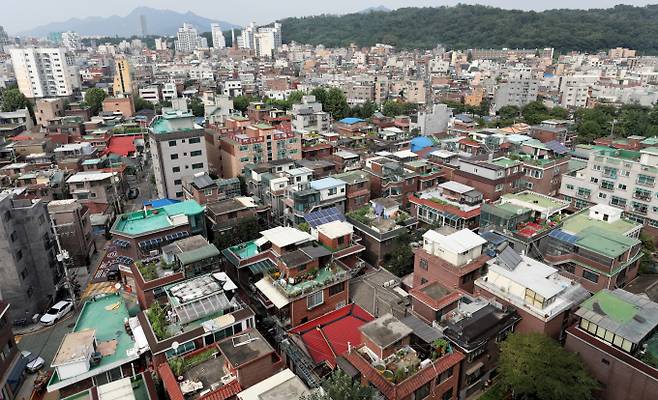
339, 385
241, 102
304, 227
196, 106
400, 261
509, 112
335, 103
13, 99
535, 112
247, 230
320, 95
295, 97
534, 366
94, 98
141, 104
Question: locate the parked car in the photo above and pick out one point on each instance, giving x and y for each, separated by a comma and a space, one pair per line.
34, 362
56, 312
133, 193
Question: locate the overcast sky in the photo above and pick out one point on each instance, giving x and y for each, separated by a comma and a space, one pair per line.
20, 15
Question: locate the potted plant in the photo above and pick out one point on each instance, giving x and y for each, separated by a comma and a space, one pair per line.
441, 346
388, 375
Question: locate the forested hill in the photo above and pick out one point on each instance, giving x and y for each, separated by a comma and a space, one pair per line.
474, 26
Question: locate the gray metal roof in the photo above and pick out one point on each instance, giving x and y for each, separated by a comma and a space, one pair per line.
424, 331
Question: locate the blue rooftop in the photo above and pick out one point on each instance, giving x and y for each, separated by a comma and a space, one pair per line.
420, 142
351, 120
326, 183
157, 203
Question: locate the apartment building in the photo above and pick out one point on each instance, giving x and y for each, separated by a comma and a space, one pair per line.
73, 226
389, 178
454, 260
492, 178
615, 336
218, 41
596, 247
43, 72
619, 178
179, 149
357, 189
255, 144
123, 79
29, 268
188, 40
96, 186
544, 299
320, 194
308, 116
518, 88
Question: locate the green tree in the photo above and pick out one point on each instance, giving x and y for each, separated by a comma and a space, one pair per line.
141, 104
509, 112
241, 102
535, 112
12, 99
400, 261
339, 385
320, 95
196, 106
94, 98
335, 103
534, 366
295, 97
304, 227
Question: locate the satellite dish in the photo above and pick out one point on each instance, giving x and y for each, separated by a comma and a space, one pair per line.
118, 286
174, 346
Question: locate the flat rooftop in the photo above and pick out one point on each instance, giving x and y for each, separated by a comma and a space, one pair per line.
244, 348
385, 330
141, 222
534, 200
582, 221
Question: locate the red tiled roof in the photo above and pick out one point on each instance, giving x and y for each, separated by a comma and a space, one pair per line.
411, 384
328, 336
96, 208
121, 145
224, 392
169, 382
469, 142
449, 208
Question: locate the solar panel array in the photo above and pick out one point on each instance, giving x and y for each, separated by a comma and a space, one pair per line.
123, 260
124, 244
509, 258
563, 236
321, 217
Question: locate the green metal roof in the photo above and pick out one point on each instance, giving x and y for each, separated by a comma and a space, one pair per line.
191, 256
605, 243
581, 221
140, 222
614, 307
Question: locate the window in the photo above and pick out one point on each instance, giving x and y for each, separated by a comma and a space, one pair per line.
195, 153
181, 349
172, 143
314, 300
179, 194
621, 186
423, 264
175, 169
332, 191
645, 180
197, 165
195, 140
443, 376
594, 180
570, 187
607, 185
177, 182
618, 201
422, 392
534, 299
174, 156
13, 236
335, 289
447, 395
19, 255
602, 195
642, 194
590, 276
499, 187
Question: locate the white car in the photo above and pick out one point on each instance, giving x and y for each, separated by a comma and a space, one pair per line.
56, 312
34, 362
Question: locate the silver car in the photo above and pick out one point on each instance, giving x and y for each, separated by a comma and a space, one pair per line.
34, 362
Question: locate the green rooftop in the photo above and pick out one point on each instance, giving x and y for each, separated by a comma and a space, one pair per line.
581, 221
532, 198
174, 121
613, 306
106, 315
263, 126
202, 253
611, 246
140, 222
504, 162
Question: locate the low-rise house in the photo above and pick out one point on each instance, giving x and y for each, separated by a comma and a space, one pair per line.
357, 189
543, 298
491, 178
452, 204
99, 187
617, 340
595, 247
455, 260
400, 364
378, 225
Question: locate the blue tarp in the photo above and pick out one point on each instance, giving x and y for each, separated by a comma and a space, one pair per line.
420, 142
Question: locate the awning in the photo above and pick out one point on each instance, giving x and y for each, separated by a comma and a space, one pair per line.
261, 267
474, 368
272, 293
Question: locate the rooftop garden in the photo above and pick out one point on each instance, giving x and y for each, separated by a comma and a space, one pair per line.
179, 365
157, 317
405, 362
154, 269
366, 216
308, 281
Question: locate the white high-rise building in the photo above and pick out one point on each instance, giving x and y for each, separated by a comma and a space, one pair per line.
42, 72
263, 41
247, 37
218, 40
71, 40
188, 39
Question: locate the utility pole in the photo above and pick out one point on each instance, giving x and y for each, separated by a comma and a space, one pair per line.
117, 200
63, 258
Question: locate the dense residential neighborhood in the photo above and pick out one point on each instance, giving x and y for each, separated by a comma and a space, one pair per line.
224, 213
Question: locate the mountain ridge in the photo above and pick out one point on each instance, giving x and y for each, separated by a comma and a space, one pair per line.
158, 22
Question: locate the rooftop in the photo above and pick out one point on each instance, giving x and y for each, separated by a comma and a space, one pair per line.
504, 162
326, 183
173, 121
582, 221
630, 316
535, 201
283, 385
605, 243
104, 315
244, 348
385, 330
145, 221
